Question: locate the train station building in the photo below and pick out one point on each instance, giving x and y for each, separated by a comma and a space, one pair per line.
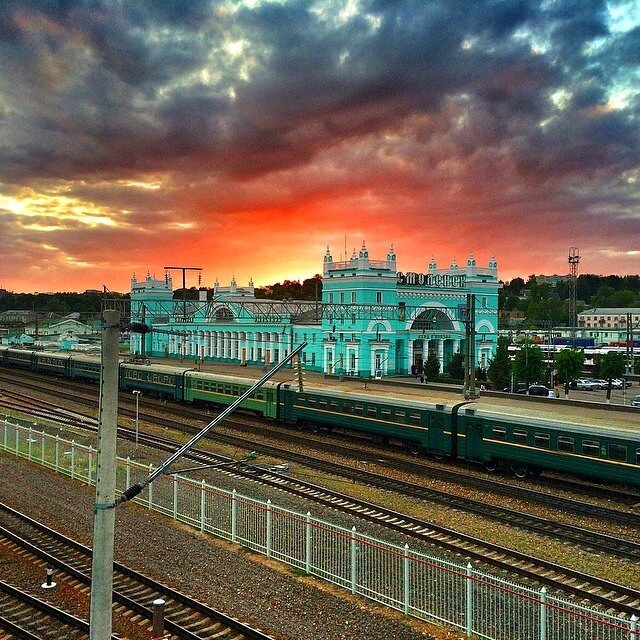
371, 320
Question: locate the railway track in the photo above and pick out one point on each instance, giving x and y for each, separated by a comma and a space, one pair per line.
29, 618
614, 597
578, 535
185, 618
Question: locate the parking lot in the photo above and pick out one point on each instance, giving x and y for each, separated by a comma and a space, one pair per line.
618, 396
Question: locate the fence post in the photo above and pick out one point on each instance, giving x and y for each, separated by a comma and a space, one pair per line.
17, 441
42, 445
202, 505
128, 474
175, 497
307, 550
634, 627
469, 614
57, 456
234, 516
354, 560
6, 435
407, 580
269, 532
73, 459
90, 466
543, 613
150, 488
29, 443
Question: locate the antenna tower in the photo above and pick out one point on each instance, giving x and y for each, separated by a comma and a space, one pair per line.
574, 260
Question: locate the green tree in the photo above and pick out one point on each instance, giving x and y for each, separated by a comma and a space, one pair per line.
455, 367
529, 364
432, 366
612, 366
569, 363
499, 372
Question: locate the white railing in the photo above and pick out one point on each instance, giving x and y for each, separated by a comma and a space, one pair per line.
422, 586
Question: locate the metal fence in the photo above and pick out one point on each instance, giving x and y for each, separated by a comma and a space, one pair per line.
422, 586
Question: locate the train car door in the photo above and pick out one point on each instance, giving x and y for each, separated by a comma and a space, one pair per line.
473, 445
438, 441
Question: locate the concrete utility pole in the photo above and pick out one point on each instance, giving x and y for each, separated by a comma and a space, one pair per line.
104, 503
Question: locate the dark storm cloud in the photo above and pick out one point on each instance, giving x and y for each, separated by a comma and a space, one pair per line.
110, 88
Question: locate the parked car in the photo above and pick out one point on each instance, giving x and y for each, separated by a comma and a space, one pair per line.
636, 402
616, 383
519, 387
602, 384
584, 384
540, 390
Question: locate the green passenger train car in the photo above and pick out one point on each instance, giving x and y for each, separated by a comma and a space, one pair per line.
223, 390
85, 368
530, 446
162, 381
21, 358
418, 425
55, 363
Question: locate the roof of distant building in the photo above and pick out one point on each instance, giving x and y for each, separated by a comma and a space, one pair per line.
610, 311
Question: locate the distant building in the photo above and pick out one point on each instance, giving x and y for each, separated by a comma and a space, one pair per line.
552, 280
67, 328
372, 319
17, 315
608, 318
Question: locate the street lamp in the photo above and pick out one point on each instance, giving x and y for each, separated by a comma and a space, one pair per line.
137, 393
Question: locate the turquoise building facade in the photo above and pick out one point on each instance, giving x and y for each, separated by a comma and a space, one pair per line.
372, 320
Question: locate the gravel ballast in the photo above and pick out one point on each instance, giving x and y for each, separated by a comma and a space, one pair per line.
225, 576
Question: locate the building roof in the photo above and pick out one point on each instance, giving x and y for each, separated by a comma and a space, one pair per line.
610, 311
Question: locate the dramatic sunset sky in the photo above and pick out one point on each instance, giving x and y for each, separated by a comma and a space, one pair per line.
244, 137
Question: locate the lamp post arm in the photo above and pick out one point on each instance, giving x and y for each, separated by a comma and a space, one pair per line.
135, 489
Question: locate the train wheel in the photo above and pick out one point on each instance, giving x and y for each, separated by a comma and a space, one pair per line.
413, 447
315, 428
490, 466
520, 471
438, 456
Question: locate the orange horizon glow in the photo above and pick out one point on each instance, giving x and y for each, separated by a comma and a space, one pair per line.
247, 140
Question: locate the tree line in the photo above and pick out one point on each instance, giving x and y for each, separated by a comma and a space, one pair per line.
547, 304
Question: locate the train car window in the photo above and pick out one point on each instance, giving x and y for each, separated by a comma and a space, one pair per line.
372, 412
334, 405
542, 440
520, 436
414, 418
565, 444
259, 395
346, 407
323, 404
155, 378
499, 433
401, 416
359, 409
617, 452
637, 456
311, 402
591, 448
385, 413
